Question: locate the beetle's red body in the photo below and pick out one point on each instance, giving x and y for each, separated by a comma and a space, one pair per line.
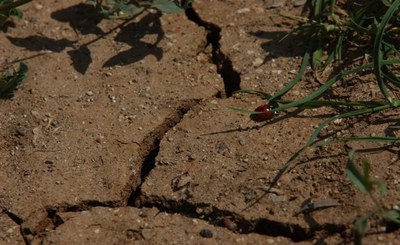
266, 109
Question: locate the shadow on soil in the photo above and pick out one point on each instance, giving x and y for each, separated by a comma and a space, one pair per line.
39, 43
275, 47
132, 35
84, 19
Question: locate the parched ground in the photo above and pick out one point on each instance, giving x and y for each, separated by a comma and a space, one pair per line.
121, 135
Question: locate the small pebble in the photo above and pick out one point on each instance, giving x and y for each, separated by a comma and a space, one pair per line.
296, 92
243, 10
202, 57
36, 114
258, 62
338, 121
259, 71
206, 233
278, 3
38, 6
298, 3
276, 72
20, 132
221, 147
112, 98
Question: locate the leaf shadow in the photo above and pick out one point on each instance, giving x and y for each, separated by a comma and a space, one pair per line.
132, 35
8, 24
81, 58
83, 18
39, 43
291, 46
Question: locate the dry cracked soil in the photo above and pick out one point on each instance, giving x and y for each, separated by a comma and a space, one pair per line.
121, 133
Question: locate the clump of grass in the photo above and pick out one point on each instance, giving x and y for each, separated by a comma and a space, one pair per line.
9, 8
367, 185
11, 80
377, 26
331, 31
126, 9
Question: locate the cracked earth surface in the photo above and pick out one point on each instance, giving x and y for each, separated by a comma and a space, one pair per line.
121, 134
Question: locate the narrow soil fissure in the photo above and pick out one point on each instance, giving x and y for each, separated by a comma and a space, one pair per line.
37, 227
149, 149
224, 65
148, 164
238, 223
221, 218
18, 220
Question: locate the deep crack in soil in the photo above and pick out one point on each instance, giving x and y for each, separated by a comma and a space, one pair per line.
223, 63
150, 147
18, 220
238, 223
222, 218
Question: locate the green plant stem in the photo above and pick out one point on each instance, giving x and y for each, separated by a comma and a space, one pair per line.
305, 61
370, 139
329, 83
377, 52
310, 142
376, 202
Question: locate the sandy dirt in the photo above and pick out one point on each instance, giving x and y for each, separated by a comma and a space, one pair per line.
121, 132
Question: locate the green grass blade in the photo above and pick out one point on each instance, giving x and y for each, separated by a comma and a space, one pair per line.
11, 81
243, 110
304, 63
336, 54
360, 228
360, 138
355, 176
317, 56
392, 215
265, 95
347, 114
321, 126
167, 6
328, 84
392, 78
382, 186
377, 52
391, 47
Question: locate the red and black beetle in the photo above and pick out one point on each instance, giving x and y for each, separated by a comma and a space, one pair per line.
266, 109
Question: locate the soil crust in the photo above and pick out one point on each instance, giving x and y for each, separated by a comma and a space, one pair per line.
121, 132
